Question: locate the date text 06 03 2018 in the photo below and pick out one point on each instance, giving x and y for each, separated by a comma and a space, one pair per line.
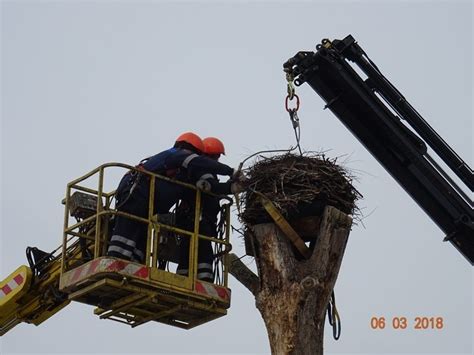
418, 323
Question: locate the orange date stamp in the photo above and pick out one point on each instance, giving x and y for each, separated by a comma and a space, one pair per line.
401, 323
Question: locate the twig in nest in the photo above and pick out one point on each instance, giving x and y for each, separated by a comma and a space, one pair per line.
299, 186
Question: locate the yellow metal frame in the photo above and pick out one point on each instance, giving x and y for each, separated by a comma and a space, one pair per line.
124, 296
97, 238
104, 210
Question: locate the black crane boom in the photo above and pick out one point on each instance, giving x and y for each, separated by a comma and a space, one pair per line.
393, 132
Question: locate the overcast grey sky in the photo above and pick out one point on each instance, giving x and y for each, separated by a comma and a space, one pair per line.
87, 82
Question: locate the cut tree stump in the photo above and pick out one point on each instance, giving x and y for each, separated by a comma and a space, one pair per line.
292, 293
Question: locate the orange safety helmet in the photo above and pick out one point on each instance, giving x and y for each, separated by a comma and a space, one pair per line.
192, 139
213, 146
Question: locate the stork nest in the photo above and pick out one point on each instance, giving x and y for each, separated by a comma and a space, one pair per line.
299, 186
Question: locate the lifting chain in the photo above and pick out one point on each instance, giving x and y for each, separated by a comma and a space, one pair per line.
293, 111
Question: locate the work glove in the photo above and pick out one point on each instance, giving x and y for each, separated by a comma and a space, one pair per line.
204, 185
236, 174
236, 188
239, 176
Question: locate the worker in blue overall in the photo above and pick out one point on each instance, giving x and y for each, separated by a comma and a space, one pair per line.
128, 240
207, 182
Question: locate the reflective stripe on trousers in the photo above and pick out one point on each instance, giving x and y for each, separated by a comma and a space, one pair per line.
124, 248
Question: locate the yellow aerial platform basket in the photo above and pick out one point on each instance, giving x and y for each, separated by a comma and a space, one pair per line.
135, 293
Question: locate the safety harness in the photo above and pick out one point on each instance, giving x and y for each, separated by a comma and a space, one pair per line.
156, 164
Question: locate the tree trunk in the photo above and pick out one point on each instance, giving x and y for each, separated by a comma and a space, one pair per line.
294, 292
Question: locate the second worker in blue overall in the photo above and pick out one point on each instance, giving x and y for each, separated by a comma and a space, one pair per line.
207, 181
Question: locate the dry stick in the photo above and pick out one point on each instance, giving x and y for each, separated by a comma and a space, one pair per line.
303, 179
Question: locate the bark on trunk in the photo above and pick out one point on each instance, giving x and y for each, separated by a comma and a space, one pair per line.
293, 293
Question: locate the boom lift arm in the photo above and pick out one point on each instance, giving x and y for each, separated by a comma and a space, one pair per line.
393, 132
31, 293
